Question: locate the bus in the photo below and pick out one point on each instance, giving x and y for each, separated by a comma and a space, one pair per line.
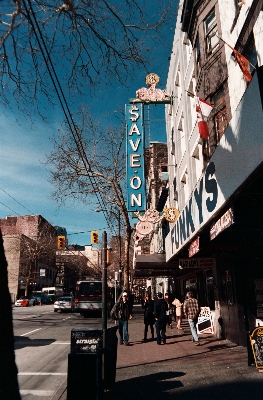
52, 293
88, 296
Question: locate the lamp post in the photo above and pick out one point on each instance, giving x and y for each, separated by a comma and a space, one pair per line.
118, 216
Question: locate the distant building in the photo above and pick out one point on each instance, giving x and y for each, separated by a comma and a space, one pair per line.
77, 263
30, 250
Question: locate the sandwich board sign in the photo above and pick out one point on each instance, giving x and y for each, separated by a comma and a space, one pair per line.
256, 340
205, 321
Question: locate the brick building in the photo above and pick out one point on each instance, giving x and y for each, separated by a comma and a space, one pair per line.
30, 249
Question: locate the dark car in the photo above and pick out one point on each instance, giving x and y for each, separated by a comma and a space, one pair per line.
40, 298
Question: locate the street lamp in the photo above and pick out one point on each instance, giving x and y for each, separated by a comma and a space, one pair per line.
118, 216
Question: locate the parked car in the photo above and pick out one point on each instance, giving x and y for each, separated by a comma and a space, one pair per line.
25, 301
64, 303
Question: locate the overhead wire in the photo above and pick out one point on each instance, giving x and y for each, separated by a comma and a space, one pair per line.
17, 202
65, 107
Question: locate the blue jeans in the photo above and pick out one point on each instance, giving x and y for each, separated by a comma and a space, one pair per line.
192, 324
123, 331
160, 326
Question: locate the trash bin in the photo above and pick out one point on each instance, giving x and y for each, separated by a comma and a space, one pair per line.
110, 357
85, 365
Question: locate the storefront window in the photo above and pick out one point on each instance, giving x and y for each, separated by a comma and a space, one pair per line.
191, 285
210, 297
227, 288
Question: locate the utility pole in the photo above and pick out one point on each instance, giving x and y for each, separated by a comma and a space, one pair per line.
104, 285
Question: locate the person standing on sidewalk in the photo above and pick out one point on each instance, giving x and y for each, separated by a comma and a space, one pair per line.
148, 306
123, 314
191, 311
169, 312
160, 308
178, 311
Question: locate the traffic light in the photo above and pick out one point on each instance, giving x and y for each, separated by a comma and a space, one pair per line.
61, 242
94, 237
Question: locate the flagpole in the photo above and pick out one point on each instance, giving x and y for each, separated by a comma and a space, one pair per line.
216, 109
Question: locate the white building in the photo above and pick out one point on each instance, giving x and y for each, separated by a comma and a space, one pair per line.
212, 179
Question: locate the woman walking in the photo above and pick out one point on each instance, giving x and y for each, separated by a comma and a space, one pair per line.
149, 320
178, 311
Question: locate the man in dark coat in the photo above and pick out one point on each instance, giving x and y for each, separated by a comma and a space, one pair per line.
123, 313
160, 308
149, 319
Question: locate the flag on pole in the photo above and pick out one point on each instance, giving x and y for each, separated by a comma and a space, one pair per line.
203, 109
242, 62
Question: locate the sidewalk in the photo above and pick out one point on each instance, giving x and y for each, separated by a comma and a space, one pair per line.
215, 370
180, 370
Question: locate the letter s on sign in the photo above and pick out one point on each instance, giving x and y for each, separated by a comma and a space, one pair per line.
211, 187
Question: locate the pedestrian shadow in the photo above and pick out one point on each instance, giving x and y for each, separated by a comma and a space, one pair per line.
21, 342
145, 387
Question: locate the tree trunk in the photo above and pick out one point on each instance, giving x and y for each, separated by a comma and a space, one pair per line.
9, 389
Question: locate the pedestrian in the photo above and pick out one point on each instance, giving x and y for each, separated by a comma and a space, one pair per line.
160, 308
122, 312
178, 311
169, 311
191, 311
149, 320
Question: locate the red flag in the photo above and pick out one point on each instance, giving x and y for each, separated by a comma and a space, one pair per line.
203, 109
242, 62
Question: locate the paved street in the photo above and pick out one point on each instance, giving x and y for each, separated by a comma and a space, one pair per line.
215, 370
42, 344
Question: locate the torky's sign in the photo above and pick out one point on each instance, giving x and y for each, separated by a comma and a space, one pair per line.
135, 157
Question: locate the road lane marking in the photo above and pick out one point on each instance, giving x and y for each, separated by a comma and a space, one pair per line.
61, 343
44, 393
39, 329
42, 373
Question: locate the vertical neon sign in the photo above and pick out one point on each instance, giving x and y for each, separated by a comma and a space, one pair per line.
135, 157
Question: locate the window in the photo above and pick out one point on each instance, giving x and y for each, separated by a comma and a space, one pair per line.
236, 15
172, 140
220, 116
251, 54
211, 32
227, 288
175, 189
198, 55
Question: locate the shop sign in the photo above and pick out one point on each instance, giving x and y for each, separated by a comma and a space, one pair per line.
222, 223
256, 340
171, 214
205, 321
135, 157
194, 247
146, 224
196, 263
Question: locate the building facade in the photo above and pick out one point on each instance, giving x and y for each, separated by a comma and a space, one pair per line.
215, 182
30, 248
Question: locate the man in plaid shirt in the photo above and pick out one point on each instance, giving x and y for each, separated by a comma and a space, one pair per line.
191, 311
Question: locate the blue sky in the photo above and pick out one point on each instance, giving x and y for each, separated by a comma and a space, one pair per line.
24, 185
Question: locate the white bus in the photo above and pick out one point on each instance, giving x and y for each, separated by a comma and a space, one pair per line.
53, 293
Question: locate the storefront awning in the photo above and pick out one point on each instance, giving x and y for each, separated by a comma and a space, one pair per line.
150, 265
